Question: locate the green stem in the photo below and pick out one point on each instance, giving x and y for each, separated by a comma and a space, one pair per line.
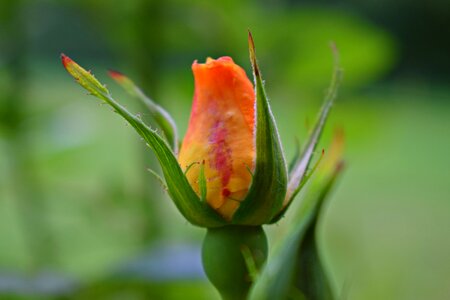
230, 255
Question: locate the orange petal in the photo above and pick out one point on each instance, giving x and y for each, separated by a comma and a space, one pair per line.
221, 132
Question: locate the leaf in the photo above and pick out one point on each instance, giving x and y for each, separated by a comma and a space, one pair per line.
278, 278
184, 197
159, 114
297, 176
268, 187
311, 277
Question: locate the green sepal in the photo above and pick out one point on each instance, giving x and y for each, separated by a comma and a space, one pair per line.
280, 276
196, 212
297, 174
159, 114
202, 182
267, 191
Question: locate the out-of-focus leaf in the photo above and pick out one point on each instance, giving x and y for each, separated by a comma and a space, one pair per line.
159, 114
289, 263
295, 268
188, 203
268, 188
311, 278
368, 50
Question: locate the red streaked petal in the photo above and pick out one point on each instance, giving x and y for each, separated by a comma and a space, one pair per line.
221, 132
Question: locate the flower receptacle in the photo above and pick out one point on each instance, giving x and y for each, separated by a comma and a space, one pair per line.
232, 255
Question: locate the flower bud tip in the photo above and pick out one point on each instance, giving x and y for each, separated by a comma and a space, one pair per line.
65, 60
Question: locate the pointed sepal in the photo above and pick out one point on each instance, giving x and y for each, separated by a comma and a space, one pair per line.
196, 212
298, 173
159, 114
84, 78
269, 183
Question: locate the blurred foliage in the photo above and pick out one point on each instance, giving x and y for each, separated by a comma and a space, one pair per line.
71, 173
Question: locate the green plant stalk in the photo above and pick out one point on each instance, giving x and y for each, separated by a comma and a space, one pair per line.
231, 256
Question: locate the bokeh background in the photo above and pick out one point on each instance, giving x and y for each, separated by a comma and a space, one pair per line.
80, 216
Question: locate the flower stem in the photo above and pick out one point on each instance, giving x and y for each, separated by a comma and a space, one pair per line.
231, 255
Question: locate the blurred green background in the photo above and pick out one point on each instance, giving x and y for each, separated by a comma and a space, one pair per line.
80, 216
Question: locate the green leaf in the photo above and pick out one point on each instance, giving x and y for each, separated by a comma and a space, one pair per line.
159, 114
280, 275
311, 277
184, 197
268, 187
297, 175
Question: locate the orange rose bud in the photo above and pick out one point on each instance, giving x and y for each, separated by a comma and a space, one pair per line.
221, 134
